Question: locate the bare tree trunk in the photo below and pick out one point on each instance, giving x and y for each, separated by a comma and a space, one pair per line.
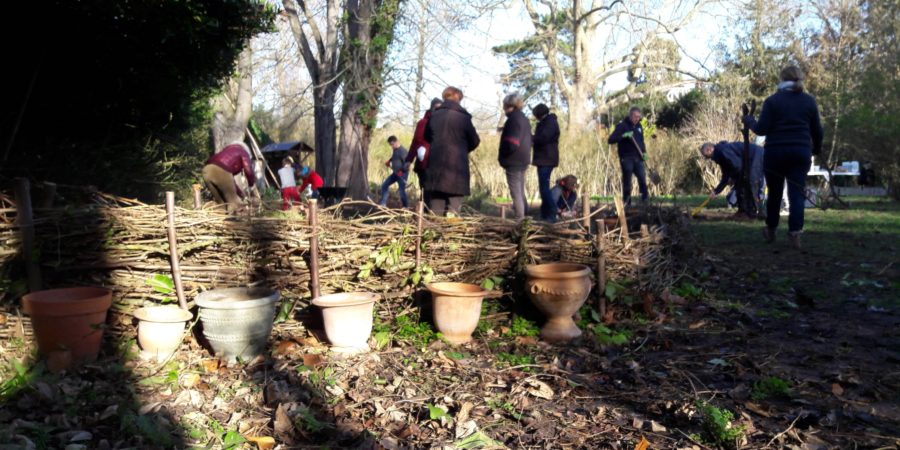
353, 165
325, 129
420, 59
234, 106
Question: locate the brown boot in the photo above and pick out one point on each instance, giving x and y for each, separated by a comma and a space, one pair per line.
794, 239
769, 235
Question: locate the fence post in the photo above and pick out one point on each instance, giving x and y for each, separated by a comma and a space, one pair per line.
503, 211
586, 212
173, 249
420, 211
313, 249
601, 268
623, 219
25, 221
198, 203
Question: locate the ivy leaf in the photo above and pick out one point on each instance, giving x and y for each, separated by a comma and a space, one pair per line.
488, 284
162, 284
436, 412
232, 440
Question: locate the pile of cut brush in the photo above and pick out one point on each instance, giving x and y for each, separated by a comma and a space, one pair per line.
124, 247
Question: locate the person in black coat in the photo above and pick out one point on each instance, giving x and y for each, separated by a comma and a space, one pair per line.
452, 136
790, 122
515, 150
629, 135
546, 156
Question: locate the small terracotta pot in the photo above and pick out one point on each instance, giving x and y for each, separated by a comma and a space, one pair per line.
348, 320
68, 323
160, 330
558, 290
457, 308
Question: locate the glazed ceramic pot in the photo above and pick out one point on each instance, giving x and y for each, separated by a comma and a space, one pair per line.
237, 321
348, 320
457, 308
68, 323
160, 330
558, 290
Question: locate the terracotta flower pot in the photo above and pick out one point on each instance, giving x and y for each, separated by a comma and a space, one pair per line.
457, 308
68, 323
237, 321
558, 290
348, 320
160, 330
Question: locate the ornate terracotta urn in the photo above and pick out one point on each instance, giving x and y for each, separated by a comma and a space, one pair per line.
558, 290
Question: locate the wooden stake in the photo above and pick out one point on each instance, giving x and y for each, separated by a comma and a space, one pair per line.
25, 221
645, 231
586, 212
601, 268
313, 249
198, 202
420, 211
173, 249
623, 220
503, 211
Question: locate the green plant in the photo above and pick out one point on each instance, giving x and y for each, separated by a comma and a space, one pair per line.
418, 334
521, 326
386, 258
308, 422
512, 360
22, 378
688, 290
770, 387
490, 283
423, 273
718, 428
505, 406
436, 412
162, 284
457, 355
608, 336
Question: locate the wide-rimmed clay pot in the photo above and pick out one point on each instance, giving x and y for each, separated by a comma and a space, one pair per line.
237, 321
348, 320
160, 330
457, 308
68, 323
558, 290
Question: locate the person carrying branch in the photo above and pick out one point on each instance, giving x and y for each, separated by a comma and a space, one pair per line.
629, 136
790, 122
419, 148
728, 156
399, 172
219, 172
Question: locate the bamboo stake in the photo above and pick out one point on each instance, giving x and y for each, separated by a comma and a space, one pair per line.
420, 210
586, 212
313, 249
25, 221
198, 203
173, 249
601, 268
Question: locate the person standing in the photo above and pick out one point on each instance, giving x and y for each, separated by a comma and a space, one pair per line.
452, 137
219, 172
790, 122
729, 157
515, 150
546, 156
399, 172
289, 192
629, 135
419, 148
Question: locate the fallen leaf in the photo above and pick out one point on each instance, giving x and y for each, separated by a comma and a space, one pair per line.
696, 325
540, 389
643, 445
286, 347
210, 365
637, 423
757, 409
284, 428
526, 340
313, 360
657, 427
190, 380
262, 442
836, 389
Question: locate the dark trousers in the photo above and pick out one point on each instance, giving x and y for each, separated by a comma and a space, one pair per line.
441, 202
548, 209
426, 195
401, 186
633, 166
787, 165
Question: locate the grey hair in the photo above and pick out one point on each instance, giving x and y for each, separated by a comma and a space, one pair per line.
706, 144
514, 101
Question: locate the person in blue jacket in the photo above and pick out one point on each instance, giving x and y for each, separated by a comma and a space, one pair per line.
729, 157
629, 135
790, 122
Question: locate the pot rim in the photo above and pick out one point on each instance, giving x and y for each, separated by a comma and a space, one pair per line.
216, 298
445, 288
574, 270
144, 314
345, 299
71, 301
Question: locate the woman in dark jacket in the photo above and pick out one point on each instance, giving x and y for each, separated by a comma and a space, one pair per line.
546, 156
790, 122
452, 136
515, 150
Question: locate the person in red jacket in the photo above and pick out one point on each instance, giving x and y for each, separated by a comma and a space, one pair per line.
219, 172
312, 179
419, 142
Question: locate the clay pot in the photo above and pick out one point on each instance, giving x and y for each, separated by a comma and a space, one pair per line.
237, 321
348, 320
457, 308
68, 323
160, 330
558, 290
